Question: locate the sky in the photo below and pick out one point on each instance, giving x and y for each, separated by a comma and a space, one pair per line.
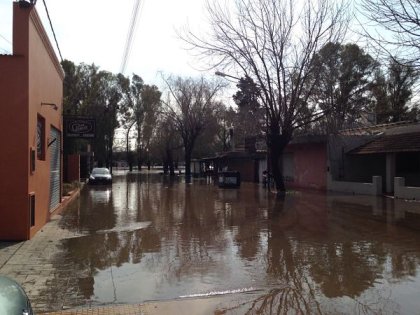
96, 32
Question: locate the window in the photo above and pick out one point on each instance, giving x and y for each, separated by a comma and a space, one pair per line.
40, 138
32, 209
32, 158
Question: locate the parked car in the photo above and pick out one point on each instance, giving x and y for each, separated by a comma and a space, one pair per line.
100, 175
13, 299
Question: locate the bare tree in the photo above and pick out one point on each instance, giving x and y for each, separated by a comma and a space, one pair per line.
190, 105
396, 25
273, 43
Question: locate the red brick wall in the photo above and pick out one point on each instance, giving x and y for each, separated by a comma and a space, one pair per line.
310, 165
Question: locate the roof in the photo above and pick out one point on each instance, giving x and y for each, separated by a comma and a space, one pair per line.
235, 155
377, 129
306, 139
391, 143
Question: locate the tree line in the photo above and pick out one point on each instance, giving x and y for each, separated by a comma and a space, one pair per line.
296, 75
157, 128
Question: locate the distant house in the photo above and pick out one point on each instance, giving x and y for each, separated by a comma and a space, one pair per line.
248, 160
31, 92
374, 160
371, 160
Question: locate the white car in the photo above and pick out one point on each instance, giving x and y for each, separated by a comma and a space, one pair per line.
100, 175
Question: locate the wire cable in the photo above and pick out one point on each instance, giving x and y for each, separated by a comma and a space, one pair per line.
52, 29
6, 39
130, 35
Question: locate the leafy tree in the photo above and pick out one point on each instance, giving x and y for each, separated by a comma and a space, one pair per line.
150, 96
345, 75
274, 43
209, 141
190, 106
92, 93
250, 117
226, 123
133, 109
393, 93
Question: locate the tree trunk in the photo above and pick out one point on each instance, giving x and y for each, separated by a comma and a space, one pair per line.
188, 152
276, 145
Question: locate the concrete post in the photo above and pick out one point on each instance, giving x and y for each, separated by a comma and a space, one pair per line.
377, 185
399, 184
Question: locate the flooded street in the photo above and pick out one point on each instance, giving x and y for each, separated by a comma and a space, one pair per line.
147, 238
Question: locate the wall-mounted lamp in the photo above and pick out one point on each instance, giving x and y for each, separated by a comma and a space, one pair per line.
54, 106
26, 3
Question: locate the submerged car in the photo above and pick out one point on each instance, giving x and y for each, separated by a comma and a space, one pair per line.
13, 299
100, 175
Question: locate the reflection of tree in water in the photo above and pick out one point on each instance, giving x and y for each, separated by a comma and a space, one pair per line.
286, 262
286, 300
339, 265
346, 269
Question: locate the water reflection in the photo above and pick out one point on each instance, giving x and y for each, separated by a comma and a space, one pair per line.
152, 238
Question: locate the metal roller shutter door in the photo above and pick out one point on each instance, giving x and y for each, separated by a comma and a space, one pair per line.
55, 168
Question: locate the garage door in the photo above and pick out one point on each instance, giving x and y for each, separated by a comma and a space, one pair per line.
55, 167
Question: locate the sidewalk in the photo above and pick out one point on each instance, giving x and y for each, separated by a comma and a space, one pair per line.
29, 262
217, 305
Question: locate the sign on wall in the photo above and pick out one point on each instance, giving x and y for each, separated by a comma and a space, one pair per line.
79, 127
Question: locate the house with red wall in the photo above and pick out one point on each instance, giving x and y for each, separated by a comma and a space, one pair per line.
31, 92
305, 163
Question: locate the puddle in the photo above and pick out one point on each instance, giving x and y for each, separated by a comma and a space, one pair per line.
309, 251
127, 228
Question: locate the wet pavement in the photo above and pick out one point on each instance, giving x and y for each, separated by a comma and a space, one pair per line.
223, 251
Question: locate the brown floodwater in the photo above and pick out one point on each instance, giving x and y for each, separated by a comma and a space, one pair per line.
149, 238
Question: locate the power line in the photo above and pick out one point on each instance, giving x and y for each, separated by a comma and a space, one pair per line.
6, 39
130, 34
52, 29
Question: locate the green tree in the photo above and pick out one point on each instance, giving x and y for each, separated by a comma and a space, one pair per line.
150, 96
345, 76
132, 110
249, 120
96, 94
393, 93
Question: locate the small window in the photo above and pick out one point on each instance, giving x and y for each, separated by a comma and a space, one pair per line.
40, 138
32, 158
32, 209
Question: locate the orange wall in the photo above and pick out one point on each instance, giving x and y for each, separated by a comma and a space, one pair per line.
31, 76
45, 85
14, 220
